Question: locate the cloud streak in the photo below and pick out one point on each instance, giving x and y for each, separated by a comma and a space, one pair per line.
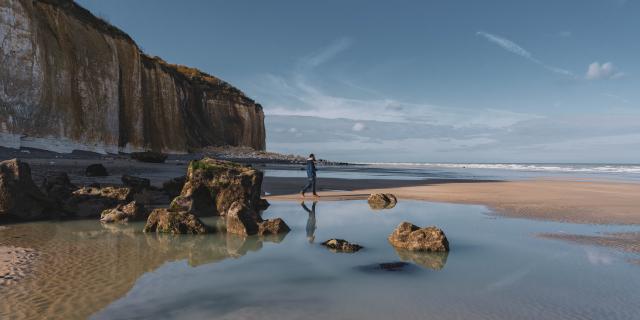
516, 49
607, 70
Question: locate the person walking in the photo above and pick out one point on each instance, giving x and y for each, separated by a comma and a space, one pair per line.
311, 176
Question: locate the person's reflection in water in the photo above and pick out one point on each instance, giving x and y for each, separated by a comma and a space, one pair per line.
311, 221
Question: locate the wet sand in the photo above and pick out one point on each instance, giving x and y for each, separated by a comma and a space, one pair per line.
558, 200
623, 241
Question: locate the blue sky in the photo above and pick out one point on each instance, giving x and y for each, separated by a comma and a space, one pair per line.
416, 81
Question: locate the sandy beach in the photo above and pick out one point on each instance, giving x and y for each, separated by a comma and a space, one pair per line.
558, 200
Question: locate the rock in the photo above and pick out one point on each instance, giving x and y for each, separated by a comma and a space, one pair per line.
57, 186
262, 205
174, 186
149, 156
242, 220
212, 186
175, 222
133, 211
69, 76
272, 227
20, 198
136, 183
96, 170
430, 260
90, 202
151, 197
411, 237
379, 201
339, 245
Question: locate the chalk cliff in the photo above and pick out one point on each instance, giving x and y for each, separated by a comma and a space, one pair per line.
69, 80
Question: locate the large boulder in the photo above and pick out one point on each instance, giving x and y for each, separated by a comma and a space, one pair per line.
272, 227
411, 237
212, 186
88, 202
241, 220
176, 222
149, 156
96, 170
173, 187
379, 201
58, 188
132, 211
340, 245
20, 198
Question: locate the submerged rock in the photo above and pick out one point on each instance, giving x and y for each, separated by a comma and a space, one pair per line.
379, 201
340, 245
176, 222
174, 186
396, 267
411, 237
212, 186
19, 197
430, 260
96, 170
149, 156
136, 183
133, 211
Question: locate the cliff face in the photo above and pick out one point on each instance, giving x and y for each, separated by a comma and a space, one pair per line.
69, 80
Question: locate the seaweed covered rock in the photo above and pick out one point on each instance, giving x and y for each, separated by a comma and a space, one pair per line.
340, 245
20, 198
132, 211
176, 222
149, 157
96, 170
92, 201
212, 186
379, 201
272, 227
411, 237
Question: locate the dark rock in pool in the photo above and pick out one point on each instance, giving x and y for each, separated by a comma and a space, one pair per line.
175, 222
174, 186
378, 201
241, 220
149, 157
398, 266
429, 260
96, 170
340, 245
411, 237
212, 186
272, 227
262, 204
20, 198
133, 211
136, 183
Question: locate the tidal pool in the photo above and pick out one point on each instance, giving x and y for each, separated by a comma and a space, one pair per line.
497, 269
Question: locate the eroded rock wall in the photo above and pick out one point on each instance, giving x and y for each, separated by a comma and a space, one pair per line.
69, 80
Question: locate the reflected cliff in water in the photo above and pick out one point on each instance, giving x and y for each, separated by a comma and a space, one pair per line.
83, 266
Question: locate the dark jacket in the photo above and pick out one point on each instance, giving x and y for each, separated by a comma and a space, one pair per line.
311, 169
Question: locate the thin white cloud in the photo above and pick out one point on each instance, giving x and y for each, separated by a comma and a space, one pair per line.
607, 70
358, 126
326, 53
514, 48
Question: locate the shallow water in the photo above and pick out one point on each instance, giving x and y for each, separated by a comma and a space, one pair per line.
497, 269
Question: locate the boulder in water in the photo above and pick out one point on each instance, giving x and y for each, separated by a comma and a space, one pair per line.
175, 222
411, 237
272, 227
379, 201
340, 245
20, 198
133, 211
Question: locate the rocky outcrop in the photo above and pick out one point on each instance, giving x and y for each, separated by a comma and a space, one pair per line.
212, 186
89, 202
379, 201
133, 211
96, 170
20, 198
69, 80
411, 237
241, 220
340, 245
176, 222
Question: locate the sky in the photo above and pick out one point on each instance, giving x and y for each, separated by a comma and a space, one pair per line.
416, 81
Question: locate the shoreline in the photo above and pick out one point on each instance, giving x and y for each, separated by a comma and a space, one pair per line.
587, 202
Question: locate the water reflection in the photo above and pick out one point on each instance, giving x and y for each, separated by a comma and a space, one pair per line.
311, 221
430, 260
85, 265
